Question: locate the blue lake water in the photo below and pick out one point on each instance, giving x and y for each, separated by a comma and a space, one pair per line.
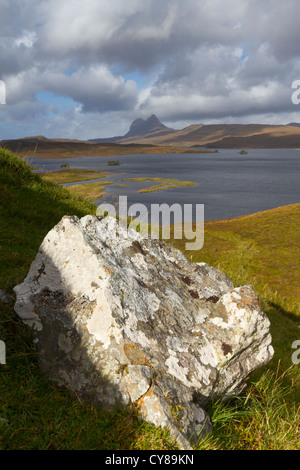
228, 184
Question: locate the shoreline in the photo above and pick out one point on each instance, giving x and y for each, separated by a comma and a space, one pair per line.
253, 214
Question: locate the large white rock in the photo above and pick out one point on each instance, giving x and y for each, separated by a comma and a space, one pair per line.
119, 319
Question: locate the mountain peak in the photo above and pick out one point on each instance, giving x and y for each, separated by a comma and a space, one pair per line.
155, 119
145, 126
140, 129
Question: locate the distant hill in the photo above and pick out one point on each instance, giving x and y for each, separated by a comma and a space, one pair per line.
144, 134
140, 128
40, 146
152, 131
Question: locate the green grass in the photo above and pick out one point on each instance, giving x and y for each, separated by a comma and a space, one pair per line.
265, 417
72, 176
163, 183
34, 414
29, 207
90, 191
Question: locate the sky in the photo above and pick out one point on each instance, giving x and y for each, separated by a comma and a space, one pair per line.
87, 69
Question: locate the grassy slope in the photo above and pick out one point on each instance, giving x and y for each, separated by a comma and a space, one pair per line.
34, 414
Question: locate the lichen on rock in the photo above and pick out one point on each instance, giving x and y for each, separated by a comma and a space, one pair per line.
121, 319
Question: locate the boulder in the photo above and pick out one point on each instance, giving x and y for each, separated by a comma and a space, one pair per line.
121, 319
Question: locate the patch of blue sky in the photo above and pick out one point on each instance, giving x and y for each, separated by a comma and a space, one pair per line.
62, 103
142, 80
70, 71
244, 55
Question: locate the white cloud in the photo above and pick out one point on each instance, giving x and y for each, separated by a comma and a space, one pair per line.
96, 88
209, 60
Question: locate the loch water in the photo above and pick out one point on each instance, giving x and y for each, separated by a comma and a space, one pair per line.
227, 183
